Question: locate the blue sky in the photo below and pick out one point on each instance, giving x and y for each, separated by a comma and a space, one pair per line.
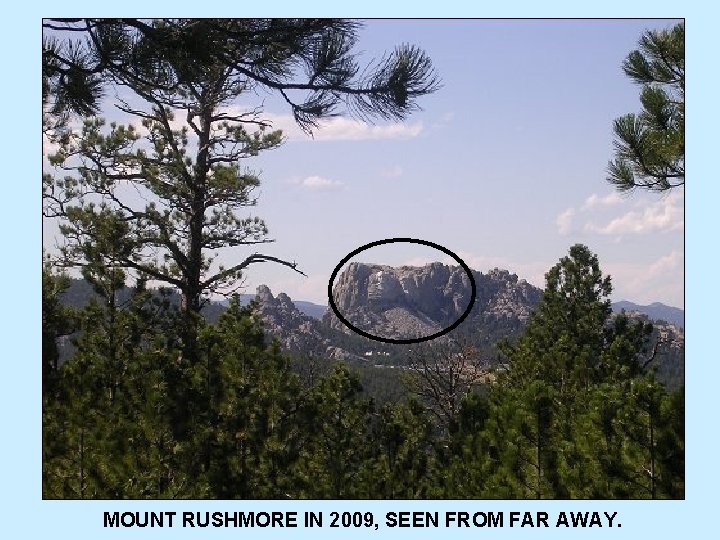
505, 165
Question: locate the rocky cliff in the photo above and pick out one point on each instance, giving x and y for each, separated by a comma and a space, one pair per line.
407, 301
296, 331
400, 303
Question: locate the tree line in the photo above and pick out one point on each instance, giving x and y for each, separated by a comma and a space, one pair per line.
577, 413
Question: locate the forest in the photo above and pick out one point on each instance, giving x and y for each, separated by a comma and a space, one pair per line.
575, 415
158, 402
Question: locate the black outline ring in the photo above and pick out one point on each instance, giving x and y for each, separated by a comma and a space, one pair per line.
350, 255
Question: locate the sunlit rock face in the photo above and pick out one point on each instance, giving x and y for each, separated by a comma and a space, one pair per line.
414, 301
384, 289
400, 302
296, 332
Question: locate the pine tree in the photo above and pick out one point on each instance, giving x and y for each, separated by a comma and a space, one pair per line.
57, 322
191, 185
310, 63
576, 414
215, 407
468, 458
109, 433
336, 452
404, 463
656, 436
650, 146
246, 412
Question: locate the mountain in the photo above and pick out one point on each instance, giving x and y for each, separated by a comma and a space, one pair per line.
655, 311
400, 303
410, 302
296, 331
316, 311
406, 301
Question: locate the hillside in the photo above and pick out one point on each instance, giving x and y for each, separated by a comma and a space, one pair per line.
412, 301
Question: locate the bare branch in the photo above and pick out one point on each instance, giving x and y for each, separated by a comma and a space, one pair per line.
252, 259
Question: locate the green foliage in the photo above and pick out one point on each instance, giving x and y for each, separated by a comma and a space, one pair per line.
574, 415
57, 321
247, 434
189, 177
570, 342
188, 192
335, 421
108, 434
650, 146
156, 402
130, 422
404, 462
313, 58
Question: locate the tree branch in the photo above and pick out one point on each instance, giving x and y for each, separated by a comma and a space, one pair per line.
252, 259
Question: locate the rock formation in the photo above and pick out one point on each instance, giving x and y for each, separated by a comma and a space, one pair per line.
408, 302
296, 331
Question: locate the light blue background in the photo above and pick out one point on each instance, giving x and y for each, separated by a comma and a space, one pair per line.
23, 513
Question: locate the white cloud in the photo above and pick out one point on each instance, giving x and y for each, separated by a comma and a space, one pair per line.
337, 128
344, 129
664, 215
564, 221
318, 183
598, 214
673, 261
595, 200
660, 281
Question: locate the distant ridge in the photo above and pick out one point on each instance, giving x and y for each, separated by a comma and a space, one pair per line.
655, 311
80, 292
403, 300
316, 311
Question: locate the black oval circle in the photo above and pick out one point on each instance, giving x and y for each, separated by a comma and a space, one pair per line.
350, 255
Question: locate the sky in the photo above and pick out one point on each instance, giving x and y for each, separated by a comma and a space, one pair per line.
505, 165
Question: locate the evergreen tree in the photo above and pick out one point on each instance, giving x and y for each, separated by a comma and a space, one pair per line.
189, 178
57, 322
466, 459
405, 456
656, 436
571, 341
212, 404
109, 433
575, 415
650, 146
310, 63
336, 451
246, 411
